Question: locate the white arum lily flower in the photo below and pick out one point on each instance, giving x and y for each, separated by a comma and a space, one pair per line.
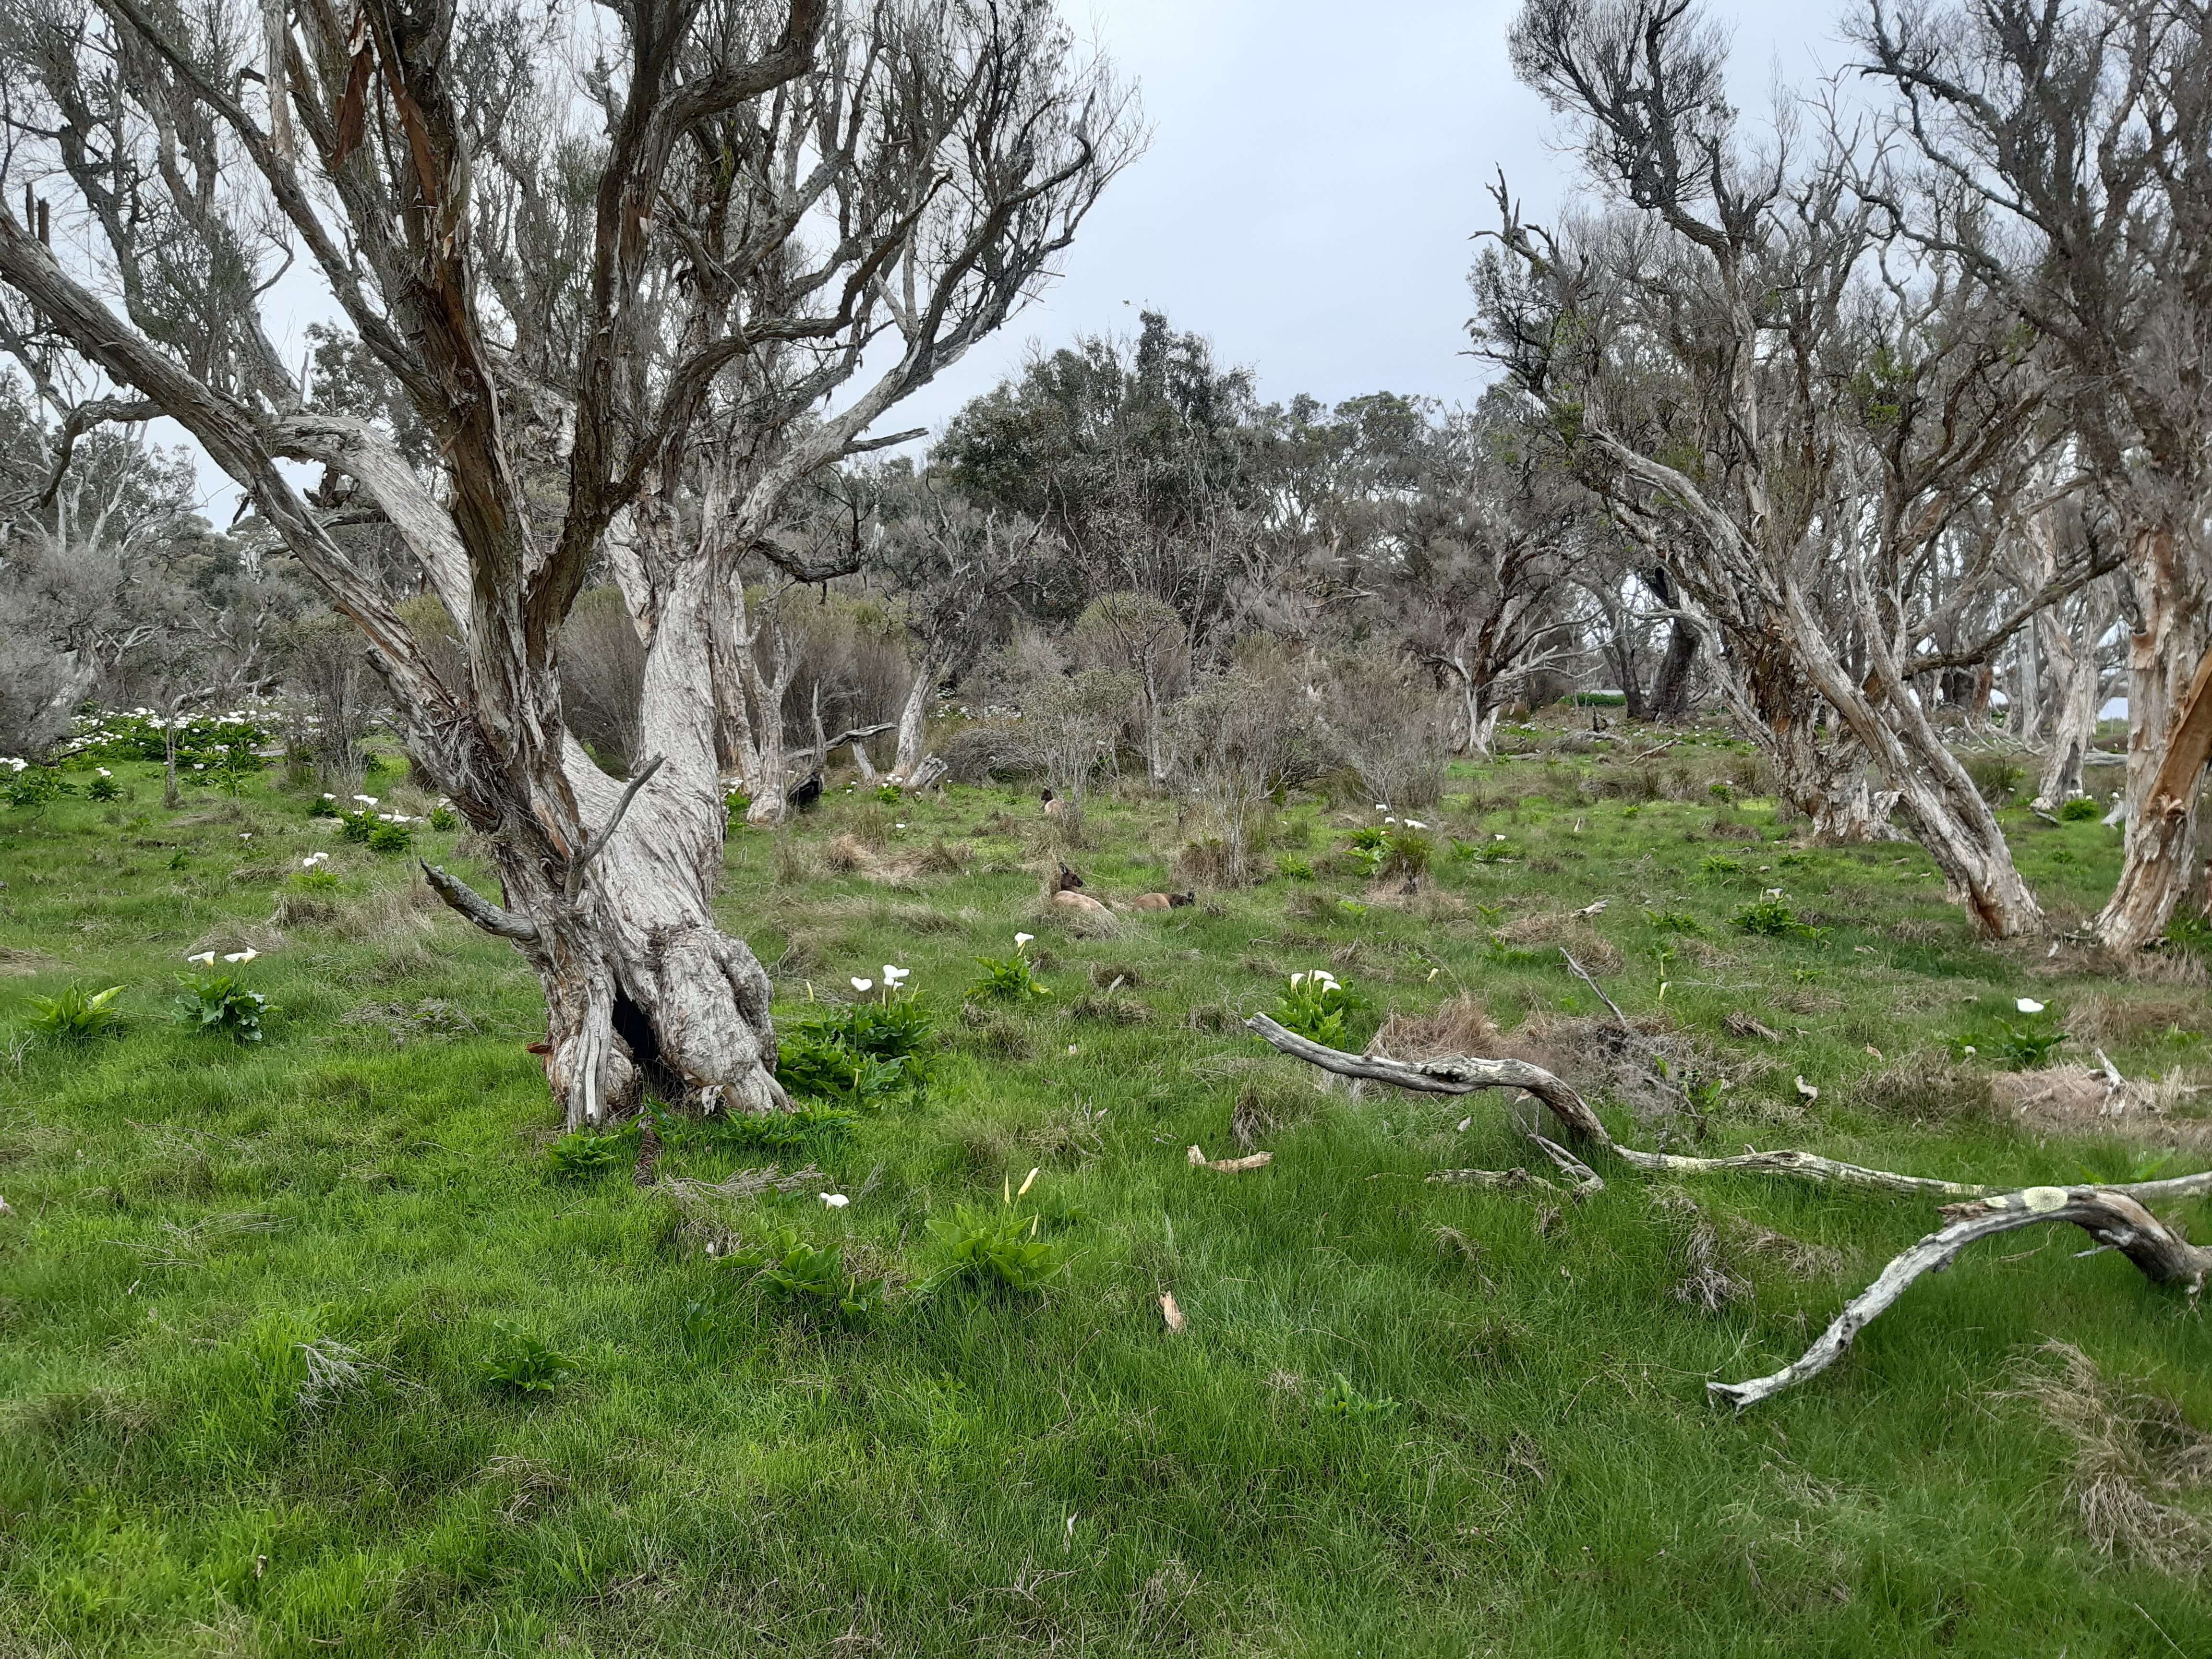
1415, 823
893, 976
205, 959
2028, 1005
366, 800
1297, 980
834, 1200
1380, 807
863, 985
1498, 837
1020, 939
103, 772
242, 956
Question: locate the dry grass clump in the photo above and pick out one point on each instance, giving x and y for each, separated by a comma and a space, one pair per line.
2134, 1453
1926, 1088
1074, 1132
1709, 1282
940, 860
2100, 1019
993, 1036
795, 862
1267, 1107
2084, 1098
1110, 1007
1563, 929
1458, 1026
849, 855
1599, 1058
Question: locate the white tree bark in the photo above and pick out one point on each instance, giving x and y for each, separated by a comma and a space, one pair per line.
2070, 652
2169, 738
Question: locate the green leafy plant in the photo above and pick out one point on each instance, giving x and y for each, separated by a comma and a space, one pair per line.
737, 803
1407, 853
810, 1123
103, 785
2191, 934
1315, 1006
1002, 1249
444, 819
76, 1016
1351, 910
23, 784
1673, 922
316, 881
814, 1280
356, 826
324, 806
1720, 792
583, 1155
1718, 867
391, 838
889, 793
1340, 1399
523, 1364
1770, 918
2080, 810
1007, 979
1293, 869
218, 1004
1369, 838
856, 1054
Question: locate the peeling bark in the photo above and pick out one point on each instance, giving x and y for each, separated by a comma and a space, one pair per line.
2169, 739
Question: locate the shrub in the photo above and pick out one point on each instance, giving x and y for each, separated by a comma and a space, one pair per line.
76, 1015
324, 806
2080, 810
1315, 1007
103, 785
356, 826
1292, 869
889, 793
217, 1003
524, 1364
23, 784
444, 819
1241, 741
1995, 777
391, 838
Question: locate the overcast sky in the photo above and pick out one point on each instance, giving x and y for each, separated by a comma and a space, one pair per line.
1316, 173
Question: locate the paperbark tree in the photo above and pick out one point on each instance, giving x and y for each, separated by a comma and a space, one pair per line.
766, 195
2065, 149
1825, 461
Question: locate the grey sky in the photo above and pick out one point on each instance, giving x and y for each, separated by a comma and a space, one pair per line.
1315, 173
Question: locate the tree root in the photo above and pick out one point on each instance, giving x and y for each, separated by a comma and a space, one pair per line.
2115, 1216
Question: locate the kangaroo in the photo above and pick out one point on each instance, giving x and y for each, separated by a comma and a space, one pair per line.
1067, 899
1068, 882
1164, 901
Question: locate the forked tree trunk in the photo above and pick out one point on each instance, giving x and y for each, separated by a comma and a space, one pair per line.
643, 990
1948, 816
2169, 739
1825, 783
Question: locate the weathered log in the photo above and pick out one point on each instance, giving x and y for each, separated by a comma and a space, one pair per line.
2112, 1216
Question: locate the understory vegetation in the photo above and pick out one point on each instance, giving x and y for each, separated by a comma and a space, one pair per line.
331, 1342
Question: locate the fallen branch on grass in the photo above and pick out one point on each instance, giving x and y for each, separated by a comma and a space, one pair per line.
2108, 1214
2115, 1216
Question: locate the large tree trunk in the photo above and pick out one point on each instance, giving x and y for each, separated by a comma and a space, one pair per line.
1947, 814
2071, 658
1825, 781
913, 719
643, 991
2169, 739
1668, 702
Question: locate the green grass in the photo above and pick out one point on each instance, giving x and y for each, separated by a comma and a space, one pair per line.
263, 1309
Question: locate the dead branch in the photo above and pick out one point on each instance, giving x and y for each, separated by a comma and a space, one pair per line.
2108, 1214
1451, 1074
1583, 974
477, 907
